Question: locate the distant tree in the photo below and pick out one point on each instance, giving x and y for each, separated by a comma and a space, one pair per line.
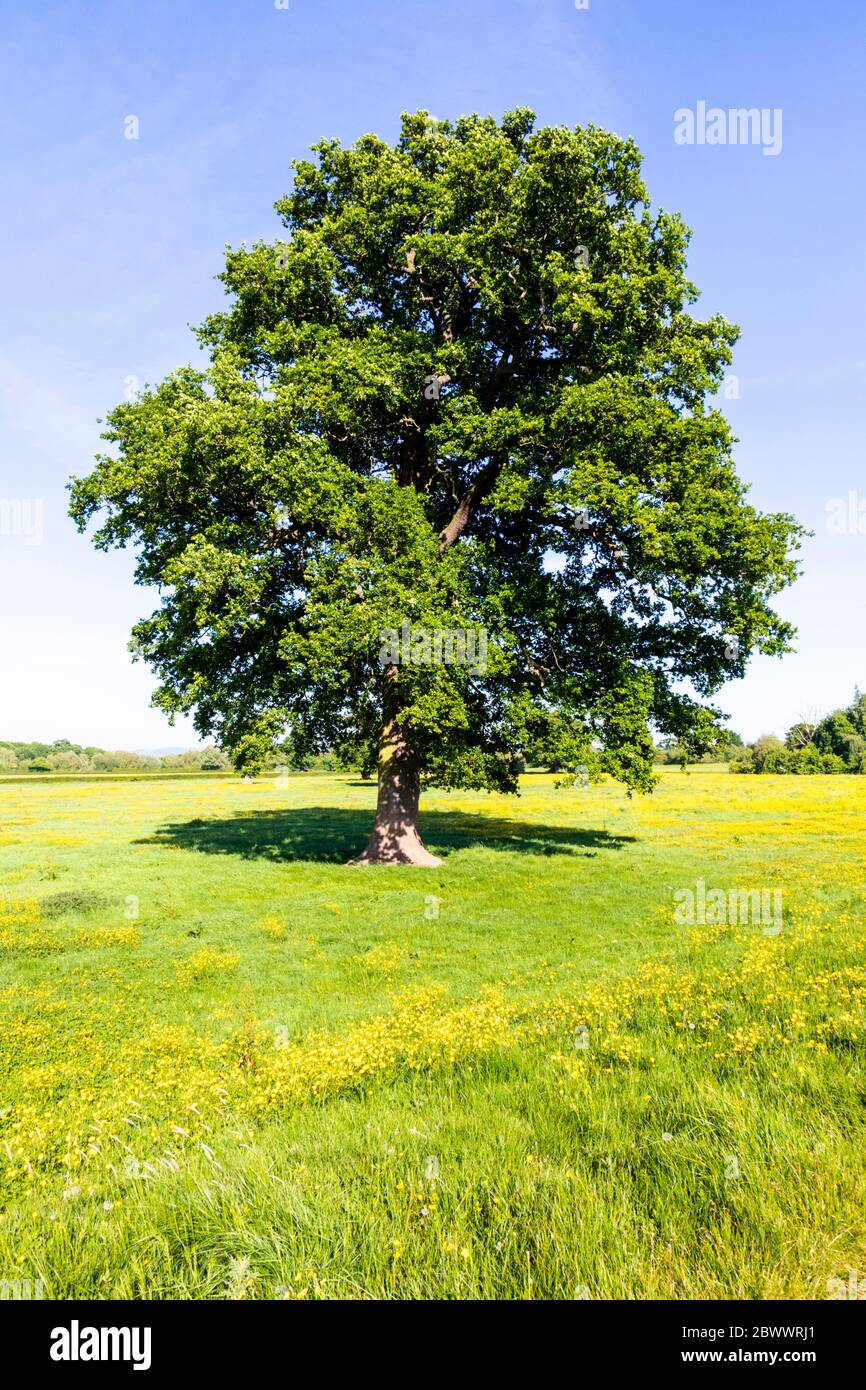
70, 761
837, 735
189, 761
762, 749
213, 759
777, 759
471, 350
669, 751
743, 760
554, 742
348, 757
120, 761
857, 712
64, 756
729, 744
799, 735
830, 762
807, 759
835, 745
764, 745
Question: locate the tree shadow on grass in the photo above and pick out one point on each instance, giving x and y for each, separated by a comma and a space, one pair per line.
333, 834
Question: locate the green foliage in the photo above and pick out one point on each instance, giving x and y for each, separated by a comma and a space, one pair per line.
836, 734
800, 735
471, 351
836, 744
726, 746
743, 761
213, 760
809, 759
63, 756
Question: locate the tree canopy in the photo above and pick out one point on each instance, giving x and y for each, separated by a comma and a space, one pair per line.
463, 392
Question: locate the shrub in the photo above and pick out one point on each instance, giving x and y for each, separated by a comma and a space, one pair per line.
743, 761
213, 759
70, 762
761, 749
831, 762
778, 760
835, 734
807, 760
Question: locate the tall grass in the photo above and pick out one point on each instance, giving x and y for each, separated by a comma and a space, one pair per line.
232, 1068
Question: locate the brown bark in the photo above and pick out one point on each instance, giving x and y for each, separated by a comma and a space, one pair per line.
395, 838
475, 494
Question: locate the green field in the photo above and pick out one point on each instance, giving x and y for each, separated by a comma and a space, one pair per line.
233, 1067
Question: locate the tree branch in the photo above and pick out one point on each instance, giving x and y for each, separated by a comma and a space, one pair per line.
470, 502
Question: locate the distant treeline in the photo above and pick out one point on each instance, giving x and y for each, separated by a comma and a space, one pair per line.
834, 744
66, 757
728, 747
837, 743
63, 756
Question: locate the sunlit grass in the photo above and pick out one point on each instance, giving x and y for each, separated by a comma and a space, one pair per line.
232, 1067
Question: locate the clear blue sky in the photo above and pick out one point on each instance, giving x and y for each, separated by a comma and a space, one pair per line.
109, 247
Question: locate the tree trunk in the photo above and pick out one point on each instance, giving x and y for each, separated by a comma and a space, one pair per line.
395, 838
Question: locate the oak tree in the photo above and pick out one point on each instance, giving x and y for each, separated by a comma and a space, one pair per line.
462, 394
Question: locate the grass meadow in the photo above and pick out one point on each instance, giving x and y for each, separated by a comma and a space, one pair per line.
231, 1067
